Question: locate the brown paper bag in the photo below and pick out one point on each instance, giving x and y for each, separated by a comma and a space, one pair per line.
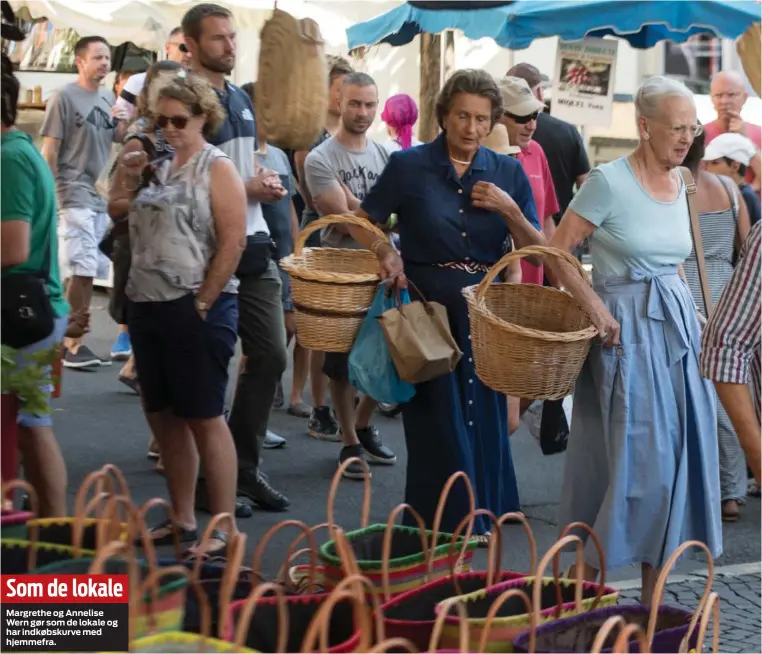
420, 342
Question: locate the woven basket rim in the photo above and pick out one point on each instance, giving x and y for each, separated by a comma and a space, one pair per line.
401, 561
291, 265
64, 549
482, 311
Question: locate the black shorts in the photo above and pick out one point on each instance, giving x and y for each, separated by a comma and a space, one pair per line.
336, 366
182, 360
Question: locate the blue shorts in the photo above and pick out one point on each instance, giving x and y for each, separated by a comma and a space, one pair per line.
56, 336
285, 282
182, 360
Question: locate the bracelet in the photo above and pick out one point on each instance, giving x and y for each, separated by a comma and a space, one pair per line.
374, 247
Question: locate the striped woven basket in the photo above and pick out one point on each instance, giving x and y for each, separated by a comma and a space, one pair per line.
552, 599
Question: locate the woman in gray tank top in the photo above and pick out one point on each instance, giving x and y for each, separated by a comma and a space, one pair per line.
187, 223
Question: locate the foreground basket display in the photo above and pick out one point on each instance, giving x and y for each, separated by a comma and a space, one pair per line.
528, 341
332, 288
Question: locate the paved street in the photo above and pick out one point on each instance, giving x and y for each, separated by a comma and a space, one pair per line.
739, 607
97, 420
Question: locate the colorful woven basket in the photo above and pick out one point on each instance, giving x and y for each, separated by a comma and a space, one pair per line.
669, 629
12, 521
182, 643
24, 557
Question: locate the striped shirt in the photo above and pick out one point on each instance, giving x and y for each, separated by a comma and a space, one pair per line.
731, 344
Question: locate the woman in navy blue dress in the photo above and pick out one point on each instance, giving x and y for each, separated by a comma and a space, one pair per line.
457, 204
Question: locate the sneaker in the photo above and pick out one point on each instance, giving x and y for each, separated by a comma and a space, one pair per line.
153, 449
83, 359
273, 441
322, 425
376, 451
122, 349
354, 470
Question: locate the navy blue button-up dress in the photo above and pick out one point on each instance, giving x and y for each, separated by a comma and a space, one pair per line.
454, 422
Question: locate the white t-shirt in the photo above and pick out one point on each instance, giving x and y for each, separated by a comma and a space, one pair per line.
129, 96
392, 145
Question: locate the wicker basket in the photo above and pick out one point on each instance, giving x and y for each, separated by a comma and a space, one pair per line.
292, 84
528, 341
332, 288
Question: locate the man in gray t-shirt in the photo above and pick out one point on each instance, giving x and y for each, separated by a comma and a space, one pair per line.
332, 164
339, 174
78, 132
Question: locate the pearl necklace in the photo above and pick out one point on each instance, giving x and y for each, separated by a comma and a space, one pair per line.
462, 163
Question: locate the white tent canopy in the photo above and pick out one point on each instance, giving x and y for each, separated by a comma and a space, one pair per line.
147, 23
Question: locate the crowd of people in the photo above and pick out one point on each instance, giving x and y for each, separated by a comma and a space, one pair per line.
174, 186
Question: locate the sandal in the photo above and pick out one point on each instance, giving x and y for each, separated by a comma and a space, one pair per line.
300, 410
158, 538
482, 540
217, 555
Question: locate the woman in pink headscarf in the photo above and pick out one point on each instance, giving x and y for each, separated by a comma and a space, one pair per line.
400, 114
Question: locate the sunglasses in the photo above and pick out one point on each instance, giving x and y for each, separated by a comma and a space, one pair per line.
178, 122
521, 120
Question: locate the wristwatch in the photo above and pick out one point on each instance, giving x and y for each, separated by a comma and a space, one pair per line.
201, 306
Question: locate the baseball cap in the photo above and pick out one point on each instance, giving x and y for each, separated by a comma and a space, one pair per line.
528, 72
735, 147
518, 98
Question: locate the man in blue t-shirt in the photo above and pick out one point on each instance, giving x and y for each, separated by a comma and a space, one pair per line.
210, 37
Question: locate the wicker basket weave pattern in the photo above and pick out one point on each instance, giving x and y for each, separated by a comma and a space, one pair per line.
528, 341
292, 84
332, 288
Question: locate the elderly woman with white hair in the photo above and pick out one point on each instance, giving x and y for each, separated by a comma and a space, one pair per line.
642, 461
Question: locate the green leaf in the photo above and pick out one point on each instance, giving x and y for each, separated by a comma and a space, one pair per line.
26, 374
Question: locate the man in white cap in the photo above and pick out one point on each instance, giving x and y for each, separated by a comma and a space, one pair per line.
730, 154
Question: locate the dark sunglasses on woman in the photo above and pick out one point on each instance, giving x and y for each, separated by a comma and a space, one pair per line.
521, 120
178, 122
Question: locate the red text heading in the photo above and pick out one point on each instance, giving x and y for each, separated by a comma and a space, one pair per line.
62, 589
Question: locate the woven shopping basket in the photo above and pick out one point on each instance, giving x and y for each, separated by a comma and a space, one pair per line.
397, 558
13, 521
553, 598
292, 84
528, 341
332, 288
668, 628
412, 615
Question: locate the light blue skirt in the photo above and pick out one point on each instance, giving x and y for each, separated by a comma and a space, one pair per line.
642, 466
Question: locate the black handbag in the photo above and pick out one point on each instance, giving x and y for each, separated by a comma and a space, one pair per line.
27, 312
256, 256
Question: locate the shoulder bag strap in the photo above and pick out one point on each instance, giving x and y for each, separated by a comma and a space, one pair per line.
698, 247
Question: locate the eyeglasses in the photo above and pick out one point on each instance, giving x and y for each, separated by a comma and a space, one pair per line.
731, 95
521, 120
182, 47
178, 122
682, 130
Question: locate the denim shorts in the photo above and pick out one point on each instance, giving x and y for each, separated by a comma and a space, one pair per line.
288, 300
56, 336
182, 360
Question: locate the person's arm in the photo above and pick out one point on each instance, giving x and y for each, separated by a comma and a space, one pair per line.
743, 224
512, 274
228, 201
126, 181
18, 205
582, 163
325, 189
53, 130
756, 165
729, 343
14, 248
299, 158
551, 209
265, 186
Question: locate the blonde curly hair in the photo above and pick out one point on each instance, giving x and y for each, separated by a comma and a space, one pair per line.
195, 92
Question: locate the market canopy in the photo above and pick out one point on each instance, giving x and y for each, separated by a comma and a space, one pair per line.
514, 25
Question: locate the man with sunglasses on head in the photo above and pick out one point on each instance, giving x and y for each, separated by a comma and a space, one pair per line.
175, 50
210, 37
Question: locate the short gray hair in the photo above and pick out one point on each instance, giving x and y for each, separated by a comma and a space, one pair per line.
654, 90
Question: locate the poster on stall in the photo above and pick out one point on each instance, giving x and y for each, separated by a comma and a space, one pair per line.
583, 88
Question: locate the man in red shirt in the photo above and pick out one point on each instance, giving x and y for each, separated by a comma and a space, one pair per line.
520, 111
728, 92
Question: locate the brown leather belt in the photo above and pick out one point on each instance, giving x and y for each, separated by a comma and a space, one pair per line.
466, 266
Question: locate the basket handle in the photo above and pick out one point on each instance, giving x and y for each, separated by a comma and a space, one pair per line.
320, 625
207, 536
605, 631
527, 530
498, 603
443, 496
109, 527
247, 612
113, 472
622, 643
386, 548
521, 253
442, 614
335, 219
151, 585
256, 565
34, 529
494, 553
393, 644
229, 579
601, 558
365, 517
553, 553
359, 581
662, 582
148, 546
711, 610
